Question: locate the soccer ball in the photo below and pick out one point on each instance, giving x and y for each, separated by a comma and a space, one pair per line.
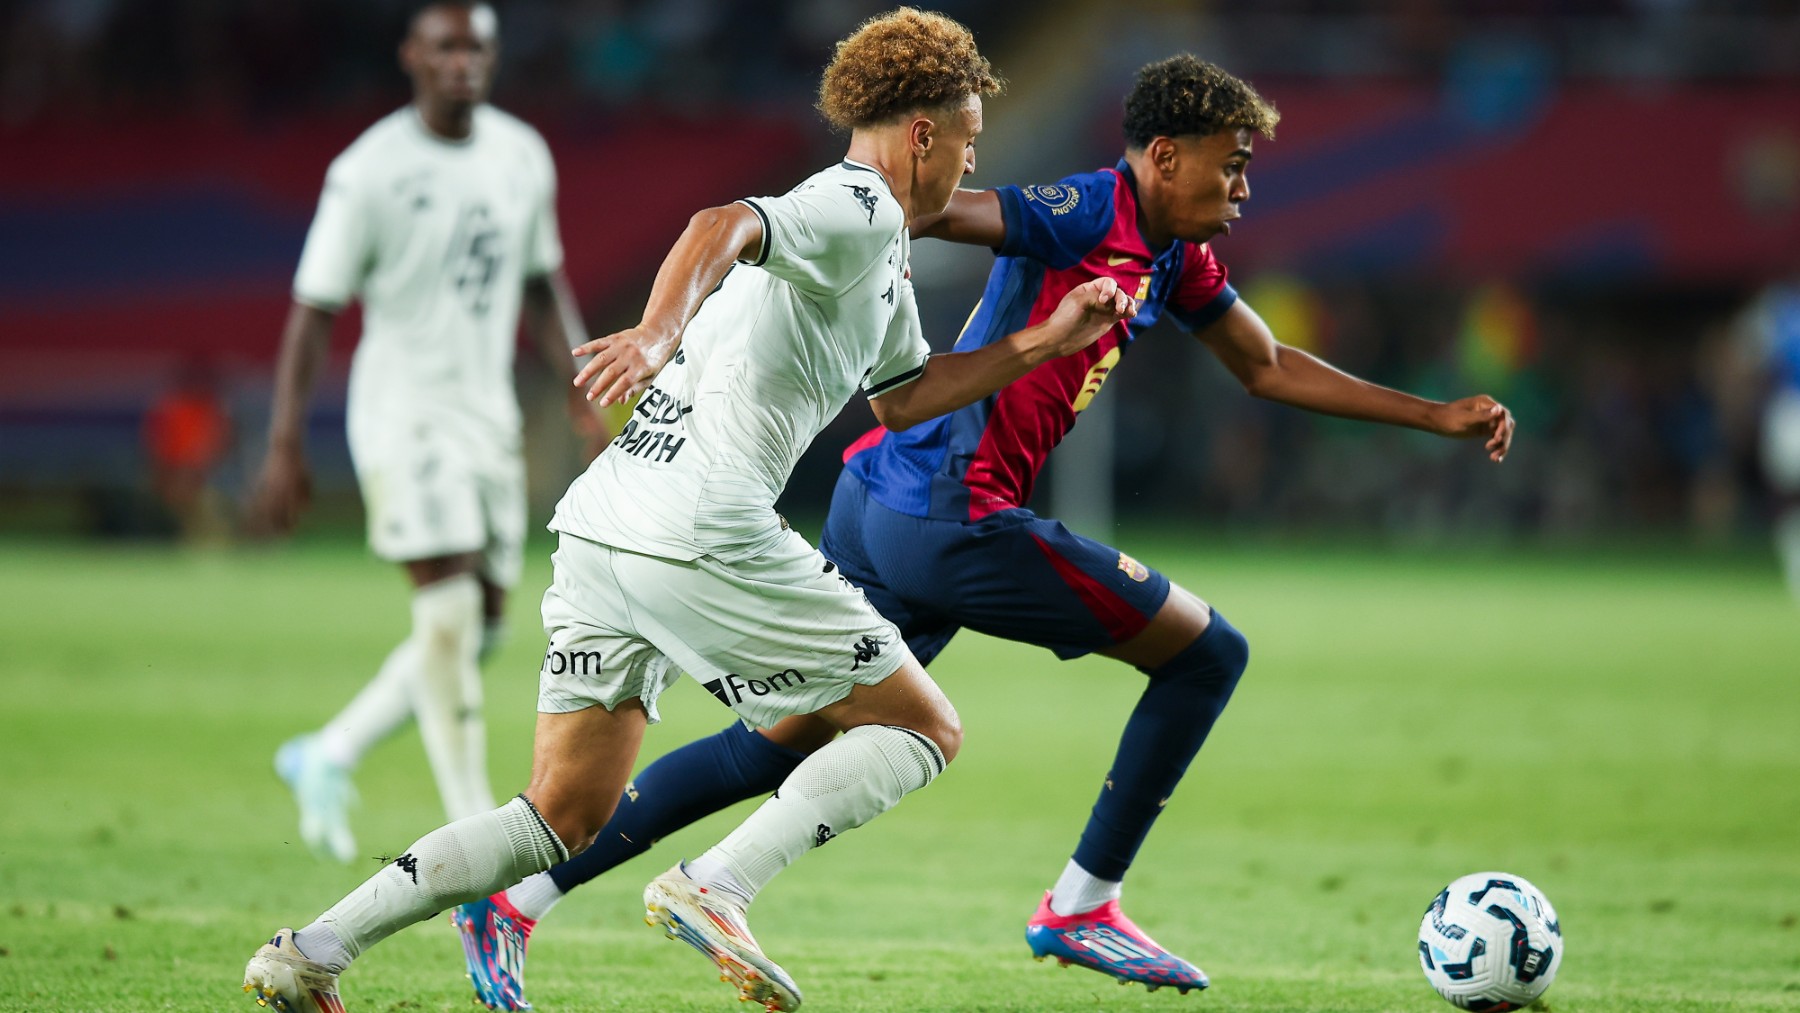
1490, 941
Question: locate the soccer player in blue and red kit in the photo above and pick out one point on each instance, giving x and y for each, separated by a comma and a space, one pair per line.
931, 522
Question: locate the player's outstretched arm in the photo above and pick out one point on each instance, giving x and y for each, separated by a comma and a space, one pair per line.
959, 379
1269, 369
553, 323
624, 363
973, 217
284, 486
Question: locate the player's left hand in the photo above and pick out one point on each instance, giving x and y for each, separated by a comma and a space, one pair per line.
623, 363
1479, 416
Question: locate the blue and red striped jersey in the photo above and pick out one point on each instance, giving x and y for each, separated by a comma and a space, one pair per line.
986, 457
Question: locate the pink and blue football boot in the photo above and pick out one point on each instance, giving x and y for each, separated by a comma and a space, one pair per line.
494, 936
1105, 940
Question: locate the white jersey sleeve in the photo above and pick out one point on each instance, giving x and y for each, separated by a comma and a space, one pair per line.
340, 245
903, 350
543, 249
822, 237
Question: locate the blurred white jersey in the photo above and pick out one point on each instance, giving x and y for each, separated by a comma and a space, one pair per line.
766, 363
437, 238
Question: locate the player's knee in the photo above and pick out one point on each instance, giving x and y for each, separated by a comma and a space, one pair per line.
1216, 658
948, 735
576, 818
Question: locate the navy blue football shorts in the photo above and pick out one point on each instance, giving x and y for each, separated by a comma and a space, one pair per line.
1011, 574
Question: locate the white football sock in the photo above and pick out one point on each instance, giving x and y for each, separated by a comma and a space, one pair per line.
377, 710
1078, 891
1787, 545
452, 865
447, 692
855, 778
535, 896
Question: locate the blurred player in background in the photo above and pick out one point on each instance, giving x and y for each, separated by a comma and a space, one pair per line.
187, 432
931, 521
442, 219
672, 557
1769, 330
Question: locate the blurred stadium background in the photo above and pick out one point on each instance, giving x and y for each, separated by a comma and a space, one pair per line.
1566, 204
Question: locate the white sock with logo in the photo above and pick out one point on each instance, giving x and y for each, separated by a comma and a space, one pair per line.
446, 693
1078, 891
377, 711
855, 778
452, 865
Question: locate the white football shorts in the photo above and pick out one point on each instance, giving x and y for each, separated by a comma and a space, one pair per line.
1781, 442
429, 494
777, 635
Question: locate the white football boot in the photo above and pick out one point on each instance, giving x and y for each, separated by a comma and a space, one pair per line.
323, 792
280, 977
713, 923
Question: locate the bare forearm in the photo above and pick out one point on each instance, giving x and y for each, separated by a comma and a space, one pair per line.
959, 379
304, 340
1298, 379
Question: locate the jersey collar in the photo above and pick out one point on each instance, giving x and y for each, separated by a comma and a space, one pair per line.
1123, 168
850, 163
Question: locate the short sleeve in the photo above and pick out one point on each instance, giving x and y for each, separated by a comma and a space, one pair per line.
339, 246
903, 350
544, 250
1203, 294
823, 236
1059, 223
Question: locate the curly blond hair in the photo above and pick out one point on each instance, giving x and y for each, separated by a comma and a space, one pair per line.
901, 62
1185, 95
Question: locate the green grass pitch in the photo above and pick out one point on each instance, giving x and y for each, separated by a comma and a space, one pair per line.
1623, 731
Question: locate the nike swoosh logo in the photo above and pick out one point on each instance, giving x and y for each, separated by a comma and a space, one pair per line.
1116, 261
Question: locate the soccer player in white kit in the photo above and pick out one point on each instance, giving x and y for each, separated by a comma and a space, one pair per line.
441, 218
672, 557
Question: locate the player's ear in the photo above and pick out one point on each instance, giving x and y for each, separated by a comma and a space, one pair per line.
1162, 151
920, 134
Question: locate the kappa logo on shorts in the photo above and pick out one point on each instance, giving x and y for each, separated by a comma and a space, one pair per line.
730, 690
867, 650
1133, 569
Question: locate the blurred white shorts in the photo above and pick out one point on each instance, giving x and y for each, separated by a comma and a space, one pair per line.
428, 494
770, 637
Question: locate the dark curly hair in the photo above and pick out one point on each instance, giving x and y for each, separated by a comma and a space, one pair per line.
1184, 95
901, 62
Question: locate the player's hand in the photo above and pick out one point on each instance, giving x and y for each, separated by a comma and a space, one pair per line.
283, 489
623, 364
1088, 311
1477, 417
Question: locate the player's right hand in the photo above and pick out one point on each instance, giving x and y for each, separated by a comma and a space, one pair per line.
1088, 311
623, 364
283, 489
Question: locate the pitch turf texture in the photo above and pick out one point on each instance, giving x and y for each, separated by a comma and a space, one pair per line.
1624, 731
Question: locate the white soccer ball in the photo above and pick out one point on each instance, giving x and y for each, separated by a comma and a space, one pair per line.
1490, 942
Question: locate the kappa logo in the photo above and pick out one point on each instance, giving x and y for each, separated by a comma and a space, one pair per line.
866, 197
867, 650
730, 690
409, 865
823, 834
1133, 569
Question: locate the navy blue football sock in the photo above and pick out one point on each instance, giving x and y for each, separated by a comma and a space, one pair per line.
698, 779
1172, 719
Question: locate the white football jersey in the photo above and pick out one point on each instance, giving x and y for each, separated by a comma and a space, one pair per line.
437, 238
768, 360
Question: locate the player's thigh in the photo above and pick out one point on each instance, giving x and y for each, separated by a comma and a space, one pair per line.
773, 636
857, 531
